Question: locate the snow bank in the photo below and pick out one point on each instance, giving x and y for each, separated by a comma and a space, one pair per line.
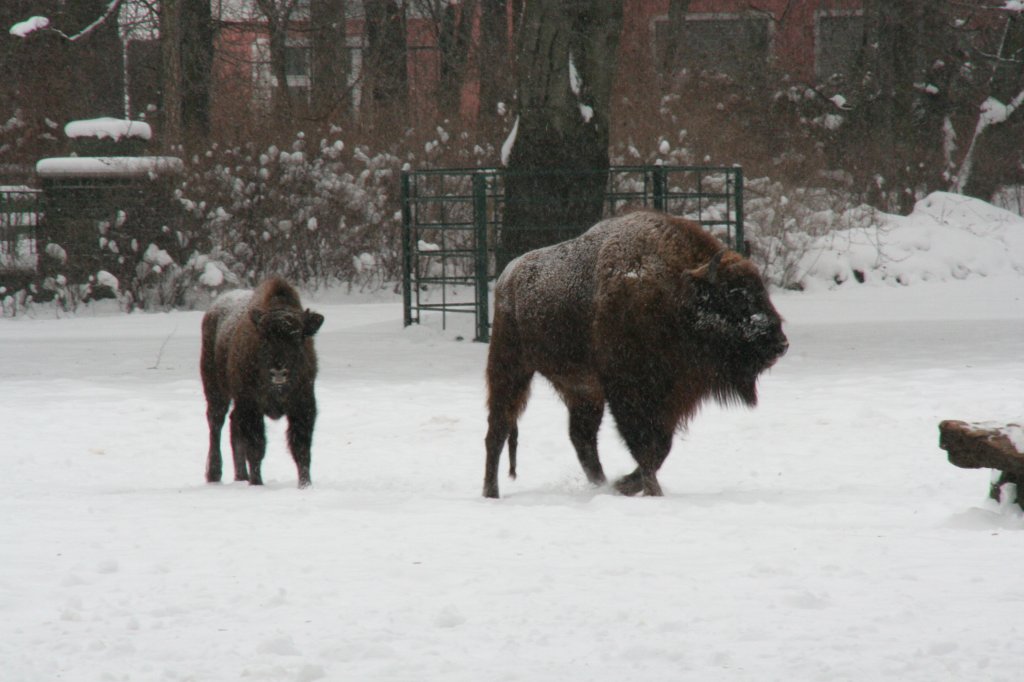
947, 237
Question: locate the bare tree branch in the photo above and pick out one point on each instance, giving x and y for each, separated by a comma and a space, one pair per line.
110, 11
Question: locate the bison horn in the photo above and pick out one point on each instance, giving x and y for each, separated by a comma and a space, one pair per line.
713, 266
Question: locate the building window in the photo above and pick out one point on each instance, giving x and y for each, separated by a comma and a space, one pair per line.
737, 45
837, 42
297, 64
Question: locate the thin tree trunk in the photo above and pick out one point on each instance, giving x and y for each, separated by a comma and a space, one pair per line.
278, 14
454, 41
197, 68
670, 62
171, 74
98, 78
494, 61
330, 65
992, 134
385, 94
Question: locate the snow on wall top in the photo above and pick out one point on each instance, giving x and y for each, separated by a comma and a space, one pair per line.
23, 28
107, 166
114, 128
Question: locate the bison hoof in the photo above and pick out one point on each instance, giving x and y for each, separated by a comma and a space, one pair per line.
491, 491
631, 484
305, 483
653, 490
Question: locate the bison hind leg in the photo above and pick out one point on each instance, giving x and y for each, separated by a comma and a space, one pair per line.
513, 446
216, 411
497, 433
508, 396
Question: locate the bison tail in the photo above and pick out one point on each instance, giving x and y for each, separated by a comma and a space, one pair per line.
513, 443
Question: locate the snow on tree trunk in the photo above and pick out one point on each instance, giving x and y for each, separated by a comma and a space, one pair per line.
1006, 94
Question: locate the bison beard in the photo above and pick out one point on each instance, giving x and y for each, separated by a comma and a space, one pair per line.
258, 353
645, 312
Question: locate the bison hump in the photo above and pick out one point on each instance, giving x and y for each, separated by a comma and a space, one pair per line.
276, 292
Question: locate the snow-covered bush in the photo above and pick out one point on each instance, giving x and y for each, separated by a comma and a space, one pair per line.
317, 211
783, 224
304, 212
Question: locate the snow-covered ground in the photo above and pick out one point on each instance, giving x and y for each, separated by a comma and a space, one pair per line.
822, 536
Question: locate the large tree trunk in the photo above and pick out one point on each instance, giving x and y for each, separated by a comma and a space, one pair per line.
558, 162
330, 66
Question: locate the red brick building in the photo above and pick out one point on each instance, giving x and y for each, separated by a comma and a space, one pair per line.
743, 38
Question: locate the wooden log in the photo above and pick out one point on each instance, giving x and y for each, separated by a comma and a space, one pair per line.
986, 446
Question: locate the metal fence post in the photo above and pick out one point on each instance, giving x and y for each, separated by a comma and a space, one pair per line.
483, 326
741, 244
407, 255
658, 179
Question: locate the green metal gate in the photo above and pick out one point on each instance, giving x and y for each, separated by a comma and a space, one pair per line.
452, 221
20, 210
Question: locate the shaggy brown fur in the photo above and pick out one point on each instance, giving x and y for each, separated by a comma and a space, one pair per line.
258, 352
646, 312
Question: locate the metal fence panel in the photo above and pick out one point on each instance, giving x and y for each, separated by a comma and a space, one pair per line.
452, 222
20, 209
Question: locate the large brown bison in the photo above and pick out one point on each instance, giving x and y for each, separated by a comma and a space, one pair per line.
258, 352
646, 312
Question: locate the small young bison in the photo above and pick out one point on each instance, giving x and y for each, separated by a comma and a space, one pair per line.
645, 312
258, 352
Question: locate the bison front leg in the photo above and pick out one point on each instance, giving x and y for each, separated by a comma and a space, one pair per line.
248, 443
300, 441
648, 440
584, 422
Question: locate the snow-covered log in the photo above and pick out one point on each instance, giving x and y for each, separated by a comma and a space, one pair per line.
986, 446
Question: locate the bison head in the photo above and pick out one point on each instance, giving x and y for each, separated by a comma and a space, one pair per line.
730, 313
283, 350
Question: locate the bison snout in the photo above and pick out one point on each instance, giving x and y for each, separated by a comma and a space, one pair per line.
781, 346
279, 377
